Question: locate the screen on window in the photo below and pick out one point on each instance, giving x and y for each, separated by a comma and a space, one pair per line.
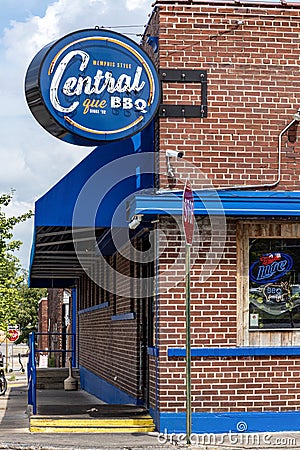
274, 283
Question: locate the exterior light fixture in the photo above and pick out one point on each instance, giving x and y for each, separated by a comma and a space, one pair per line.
297, 116
135, 221
170, 154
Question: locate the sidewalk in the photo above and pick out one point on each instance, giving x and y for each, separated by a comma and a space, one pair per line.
15, 435
60, 411
14, 424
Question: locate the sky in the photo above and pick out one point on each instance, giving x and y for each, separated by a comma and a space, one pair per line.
32, 160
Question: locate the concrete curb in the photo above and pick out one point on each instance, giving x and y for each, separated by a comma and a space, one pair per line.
17, 446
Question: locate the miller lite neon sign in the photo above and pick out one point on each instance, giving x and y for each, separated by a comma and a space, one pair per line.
270, 267
92, 86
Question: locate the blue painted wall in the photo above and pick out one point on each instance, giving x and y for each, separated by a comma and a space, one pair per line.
102, 389
202, 423
235, 422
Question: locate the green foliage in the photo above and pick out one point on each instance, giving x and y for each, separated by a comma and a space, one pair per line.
51, 361
7, 224
12, 278
27, 316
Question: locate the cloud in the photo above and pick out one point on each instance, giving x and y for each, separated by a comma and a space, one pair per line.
33, 160
23, 39
132, 5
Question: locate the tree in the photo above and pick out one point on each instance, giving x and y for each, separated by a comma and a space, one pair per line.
11, 275
27, 316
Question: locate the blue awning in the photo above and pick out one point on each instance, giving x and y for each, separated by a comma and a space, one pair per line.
93, 193
241, 203
90, 198
103, 193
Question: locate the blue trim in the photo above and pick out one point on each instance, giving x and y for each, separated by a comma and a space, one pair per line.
138, 177
31, 373
235, 351
74, 326
255, 422
154, 413
49, 282
102, 389
126, 316
94, 308
152, 351
157, 333
228, 202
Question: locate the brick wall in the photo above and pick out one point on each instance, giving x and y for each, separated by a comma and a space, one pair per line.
42, 341
231, 384
253, 90
111, 336
55, 302
115, 358
218, 384
251, 55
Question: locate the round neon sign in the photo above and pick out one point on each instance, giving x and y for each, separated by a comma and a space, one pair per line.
92, 86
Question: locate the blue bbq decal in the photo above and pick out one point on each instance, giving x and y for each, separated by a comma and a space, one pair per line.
92, 86
270, 267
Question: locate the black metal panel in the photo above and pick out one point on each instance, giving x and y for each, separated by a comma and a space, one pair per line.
183, 111
184, 76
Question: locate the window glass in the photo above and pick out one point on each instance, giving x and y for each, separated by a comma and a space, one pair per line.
274, 283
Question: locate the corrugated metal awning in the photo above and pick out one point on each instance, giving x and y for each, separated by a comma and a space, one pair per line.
241, 203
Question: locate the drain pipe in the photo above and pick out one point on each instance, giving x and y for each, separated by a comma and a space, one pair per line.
296, 119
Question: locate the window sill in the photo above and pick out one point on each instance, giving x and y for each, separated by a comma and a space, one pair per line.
94, 308
126, 316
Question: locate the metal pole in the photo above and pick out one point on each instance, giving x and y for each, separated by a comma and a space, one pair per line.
74, 327
188, 344
33, 372
6, 353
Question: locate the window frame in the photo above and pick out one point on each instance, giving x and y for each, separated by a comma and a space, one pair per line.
247, 230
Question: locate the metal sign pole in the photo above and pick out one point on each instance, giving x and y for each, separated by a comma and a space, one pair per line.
6, 354
188, 225
188, 342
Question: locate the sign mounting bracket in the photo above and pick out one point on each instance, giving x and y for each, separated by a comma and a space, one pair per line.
184, 76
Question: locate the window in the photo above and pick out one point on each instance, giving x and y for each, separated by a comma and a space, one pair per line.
274, 283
